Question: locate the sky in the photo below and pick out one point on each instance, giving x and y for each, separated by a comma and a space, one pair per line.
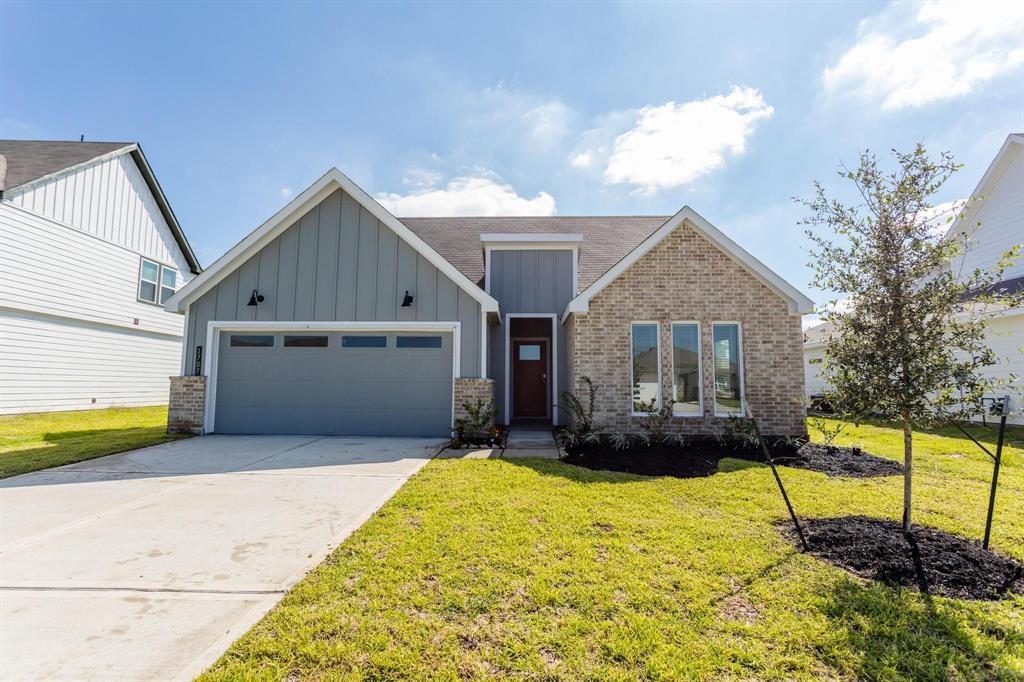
495, 108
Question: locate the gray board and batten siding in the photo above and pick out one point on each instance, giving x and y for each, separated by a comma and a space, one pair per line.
338, 262
530, 281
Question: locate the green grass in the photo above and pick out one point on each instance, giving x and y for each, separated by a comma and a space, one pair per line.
533, 569
29, 442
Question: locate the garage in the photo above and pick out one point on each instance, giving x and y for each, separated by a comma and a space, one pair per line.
320, 382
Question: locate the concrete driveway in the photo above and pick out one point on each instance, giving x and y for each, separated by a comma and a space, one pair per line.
148, 564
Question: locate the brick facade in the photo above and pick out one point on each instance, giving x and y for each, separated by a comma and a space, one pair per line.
186, 406
469, 390
685, 278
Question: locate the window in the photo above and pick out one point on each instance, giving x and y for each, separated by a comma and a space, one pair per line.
728, 368
305, 342
157, 283
364, 342
418, 342
529, 351
646, 366
686, 374
250, 341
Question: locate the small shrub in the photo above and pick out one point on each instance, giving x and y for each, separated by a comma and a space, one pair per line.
828, 431
743, 433
656, 420
619, 441
476, 426
643, 440
582, 415
675, 440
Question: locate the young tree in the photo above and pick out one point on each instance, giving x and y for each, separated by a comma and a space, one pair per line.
909, 346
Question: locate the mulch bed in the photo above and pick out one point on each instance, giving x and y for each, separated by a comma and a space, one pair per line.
930, 561
701, 456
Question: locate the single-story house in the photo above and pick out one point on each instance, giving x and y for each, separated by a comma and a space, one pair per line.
89, 252
336, 317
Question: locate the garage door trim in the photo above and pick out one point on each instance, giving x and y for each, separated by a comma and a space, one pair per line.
215, 327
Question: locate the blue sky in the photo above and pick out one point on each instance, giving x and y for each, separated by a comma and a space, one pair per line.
615, 108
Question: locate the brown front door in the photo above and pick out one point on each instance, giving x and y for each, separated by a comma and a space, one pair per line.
530, 379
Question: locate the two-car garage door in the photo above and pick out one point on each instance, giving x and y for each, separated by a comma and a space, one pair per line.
334, 383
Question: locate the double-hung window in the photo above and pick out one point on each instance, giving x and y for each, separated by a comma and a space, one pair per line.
686, 370
157, 283
727, 342
646, 366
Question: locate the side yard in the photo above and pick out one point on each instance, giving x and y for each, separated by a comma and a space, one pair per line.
29, 442
482, 569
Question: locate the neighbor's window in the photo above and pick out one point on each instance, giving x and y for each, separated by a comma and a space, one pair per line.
156, 282
686, 380
364, 342
728, 368
418, 342
646, 366
251, 341
305, 341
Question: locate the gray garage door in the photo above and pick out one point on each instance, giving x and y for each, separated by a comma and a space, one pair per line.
353, 384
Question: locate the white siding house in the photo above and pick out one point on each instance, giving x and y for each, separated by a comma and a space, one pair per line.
88, 249
994, 221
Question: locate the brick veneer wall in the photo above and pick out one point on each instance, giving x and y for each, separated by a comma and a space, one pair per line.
686, 278
469, 390
186, 406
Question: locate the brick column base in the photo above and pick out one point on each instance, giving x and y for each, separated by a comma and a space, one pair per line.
187, 405
469, 390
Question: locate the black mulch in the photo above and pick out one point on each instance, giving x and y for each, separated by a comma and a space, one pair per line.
930, 561
701, 456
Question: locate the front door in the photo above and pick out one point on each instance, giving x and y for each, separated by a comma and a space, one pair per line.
530, 379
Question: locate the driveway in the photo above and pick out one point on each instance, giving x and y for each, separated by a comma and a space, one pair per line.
148, 564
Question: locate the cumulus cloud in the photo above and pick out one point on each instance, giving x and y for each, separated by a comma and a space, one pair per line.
676, 143
583, 159
481, 194
287, 192
911, 55
548, 121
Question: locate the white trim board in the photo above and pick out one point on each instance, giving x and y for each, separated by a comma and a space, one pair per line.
506, 409
999, 164
215, 327
798, 302
328, 183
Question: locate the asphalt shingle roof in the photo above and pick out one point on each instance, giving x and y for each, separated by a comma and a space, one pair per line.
606, 239
29, 160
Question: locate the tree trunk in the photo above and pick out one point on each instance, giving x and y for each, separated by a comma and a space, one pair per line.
908, 459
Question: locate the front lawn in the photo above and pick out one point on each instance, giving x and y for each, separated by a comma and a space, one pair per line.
29, 442
534, 569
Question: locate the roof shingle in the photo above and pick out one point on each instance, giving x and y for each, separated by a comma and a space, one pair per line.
29, 160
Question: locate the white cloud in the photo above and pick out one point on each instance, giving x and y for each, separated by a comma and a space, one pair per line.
943, 50
549, 121
286, 192
482, 194
938, 218
674, 144
583, 159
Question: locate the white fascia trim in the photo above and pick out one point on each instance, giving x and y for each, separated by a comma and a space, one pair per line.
541, 237
280, 221
798, 302
215, 327
994, 171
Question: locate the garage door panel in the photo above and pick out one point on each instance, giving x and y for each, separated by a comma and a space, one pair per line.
334, 390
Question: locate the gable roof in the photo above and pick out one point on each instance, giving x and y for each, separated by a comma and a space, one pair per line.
1011, 146
798, 302
328, 183
606, 239
25, 164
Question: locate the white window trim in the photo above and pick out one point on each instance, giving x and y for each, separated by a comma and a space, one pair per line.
743, 369
553, 371
700, 369
158, 284
661, 397
215, 327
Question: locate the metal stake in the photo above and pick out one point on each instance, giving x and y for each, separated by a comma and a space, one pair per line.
995, 480
782, 488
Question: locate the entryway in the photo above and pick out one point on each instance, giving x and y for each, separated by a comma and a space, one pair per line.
531, 368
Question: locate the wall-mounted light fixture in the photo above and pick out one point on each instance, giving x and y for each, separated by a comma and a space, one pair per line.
407, 301
256, 298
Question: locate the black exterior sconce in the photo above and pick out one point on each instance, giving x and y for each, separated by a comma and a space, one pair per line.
407, 300
256, 298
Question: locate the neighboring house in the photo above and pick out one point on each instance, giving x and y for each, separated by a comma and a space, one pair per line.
89, 252
335, 317
994, 220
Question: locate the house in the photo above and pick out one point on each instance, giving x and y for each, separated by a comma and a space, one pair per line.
336, 317
89, 252
994, 222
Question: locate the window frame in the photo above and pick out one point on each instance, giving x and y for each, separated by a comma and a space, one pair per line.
742, 368
158, 284
700, 369
632, 383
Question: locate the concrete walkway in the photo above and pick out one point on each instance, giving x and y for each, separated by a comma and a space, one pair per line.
148, 564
